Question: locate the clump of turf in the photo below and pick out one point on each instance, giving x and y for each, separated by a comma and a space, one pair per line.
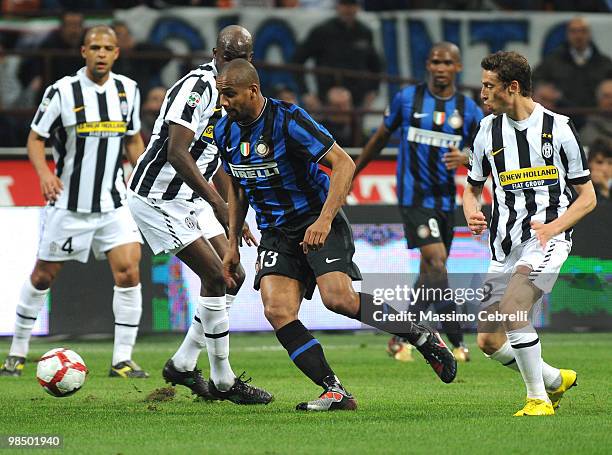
161, 394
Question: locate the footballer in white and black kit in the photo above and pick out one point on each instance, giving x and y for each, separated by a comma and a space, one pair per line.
166, 208
535, 160
177, 211
88, 117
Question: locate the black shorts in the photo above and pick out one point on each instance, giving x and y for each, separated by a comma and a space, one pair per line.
280, 253
426, 226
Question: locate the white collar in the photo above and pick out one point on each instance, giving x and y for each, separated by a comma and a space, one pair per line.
529, 121
89, 83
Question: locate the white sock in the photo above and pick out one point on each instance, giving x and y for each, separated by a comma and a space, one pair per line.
127, 308
505, 356
215, 322
186, 358
229, 301
31, 300
528, 354
552, 377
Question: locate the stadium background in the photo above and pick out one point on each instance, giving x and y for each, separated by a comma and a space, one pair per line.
580, 301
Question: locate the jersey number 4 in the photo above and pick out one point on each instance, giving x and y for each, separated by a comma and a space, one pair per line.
67, 246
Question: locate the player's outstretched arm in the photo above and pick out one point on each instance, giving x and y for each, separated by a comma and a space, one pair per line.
471, 209
584, 203
50, 185
373, 148
342, 167
134, 147
179, 140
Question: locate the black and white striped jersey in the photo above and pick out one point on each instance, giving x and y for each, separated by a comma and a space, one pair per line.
192, 103
532, 162
86, 123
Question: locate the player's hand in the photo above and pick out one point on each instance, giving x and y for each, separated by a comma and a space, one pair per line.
222, 214
477, 223
231, 261
453, 158
315, 235
543, 232
248, 236
51, 187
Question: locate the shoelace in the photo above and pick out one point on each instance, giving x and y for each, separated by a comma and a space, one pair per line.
243, 385
197, 376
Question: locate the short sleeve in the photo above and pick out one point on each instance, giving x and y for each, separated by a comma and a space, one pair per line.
308, 138
577, 167
49, 110
133, 126
479, 167
393, 114
192, 105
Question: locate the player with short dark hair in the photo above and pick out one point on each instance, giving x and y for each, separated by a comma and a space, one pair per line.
535, 158
88, 116
436, 121
272, 150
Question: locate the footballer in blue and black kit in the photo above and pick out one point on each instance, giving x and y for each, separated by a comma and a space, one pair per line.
271, 149
429, 127
275, 160
435, 122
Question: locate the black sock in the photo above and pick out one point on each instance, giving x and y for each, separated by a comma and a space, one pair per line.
305, 351
453, 329
405, 329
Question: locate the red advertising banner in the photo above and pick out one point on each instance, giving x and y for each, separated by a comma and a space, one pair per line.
375, 185
19, 184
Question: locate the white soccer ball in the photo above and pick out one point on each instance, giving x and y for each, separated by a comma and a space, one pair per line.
61, 372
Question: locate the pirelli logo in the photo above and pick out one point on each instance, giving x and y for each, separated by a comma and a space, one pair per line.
101, 129
433, 138
531, 177
255, 171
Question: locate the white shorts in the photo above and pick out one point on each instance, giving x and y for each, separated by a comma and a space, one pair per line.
545, 264
68, 236
169, 226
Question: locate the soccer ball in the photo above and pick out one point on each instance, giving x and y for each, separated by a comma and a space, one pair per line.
61, 372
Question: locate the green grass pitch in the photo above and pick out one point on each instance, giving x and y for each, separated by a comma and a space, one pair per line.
403, 407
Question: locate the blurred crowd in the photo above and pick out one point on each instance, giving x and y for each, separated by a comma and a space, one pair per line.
38, 6
576, 75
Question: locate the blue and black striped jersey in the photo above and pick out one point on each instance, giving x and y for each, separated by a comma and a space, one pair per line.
275, 160
429, 126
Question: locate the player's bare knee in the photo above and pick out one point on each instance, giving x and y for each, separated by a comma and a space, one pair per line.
278, 314
42, 278
434, 265
127, 276
488, 343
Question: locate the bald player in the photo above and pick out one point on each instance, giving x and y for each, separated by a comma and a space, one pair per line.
436, 122
91, 118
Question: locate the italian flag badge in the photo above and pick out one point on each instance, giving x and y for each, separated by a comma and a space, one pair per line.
439, 117
245, 148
